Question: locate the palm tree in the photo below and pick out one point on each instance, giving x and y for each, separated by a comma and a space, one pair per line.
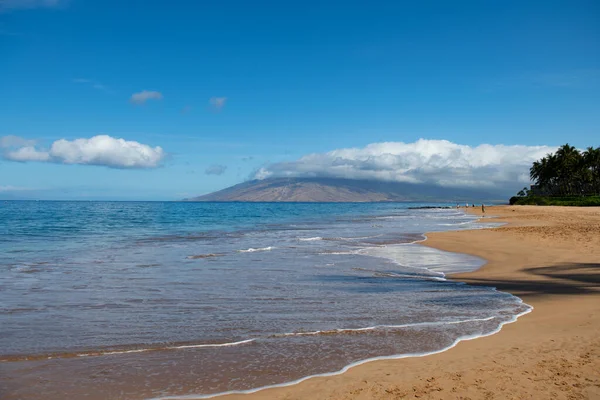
541, 172
591, 158
568, 172
568, 169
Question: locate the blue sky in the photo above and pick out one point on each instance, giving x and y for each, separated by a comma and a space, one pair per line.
228, 88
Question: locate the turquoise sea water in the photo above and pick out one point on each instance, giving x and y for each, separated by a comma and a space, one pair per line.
139, 300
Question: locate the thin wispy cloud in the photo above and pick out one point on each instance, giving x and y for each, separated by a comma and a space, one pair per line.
576, 78
560, 80
186, 109
216, 169
15, 141
218, 102
145, 95
9, 188
101, 150
30, 4
92, 83
437, 162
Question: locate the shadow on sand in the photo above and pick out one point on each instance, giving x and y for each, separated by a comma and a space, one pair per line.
561, 279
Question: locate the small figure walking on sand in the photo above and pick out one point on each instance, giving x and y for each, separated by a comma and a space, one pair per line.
483, 208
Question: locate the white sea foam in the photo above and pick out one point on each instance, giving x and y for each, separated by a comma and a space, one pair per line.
437, 276
440, 278
187, 346
339, 252
312, 333
252, 250
375, 327
412, 255
347, 367
357, 238
459, 223
197, 346
310, 239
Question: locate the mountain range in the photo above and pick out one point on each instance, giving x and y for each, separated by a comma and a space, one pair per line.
344, 190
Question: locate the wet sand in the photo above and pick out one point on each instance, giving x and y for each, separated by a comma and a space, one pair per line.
548, 256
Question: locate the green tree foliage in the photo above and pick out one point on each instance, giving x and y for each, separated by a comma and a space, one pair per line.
568, 172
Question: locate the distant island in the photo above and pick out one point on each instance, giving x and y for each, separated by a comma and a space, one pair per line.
342, 190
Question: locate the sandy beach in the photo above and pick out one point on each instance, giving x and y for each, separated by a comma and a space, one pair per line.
549, 257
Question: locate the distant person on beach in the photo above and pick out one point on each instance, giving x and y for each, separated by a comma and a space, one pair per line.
483, 208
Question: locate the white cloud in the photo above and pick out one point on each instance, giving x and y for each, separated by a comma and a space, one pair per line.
27, 153
438, 162
101, 150
216, 170
144, 96
218, 102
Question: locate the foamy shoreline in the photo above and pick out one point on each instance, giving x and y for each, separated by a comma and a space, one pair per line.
560, 328
343, 370
368, 360
544, 256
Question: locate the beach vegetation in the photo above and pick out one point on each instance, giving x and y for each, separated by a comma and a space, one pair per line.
567, 177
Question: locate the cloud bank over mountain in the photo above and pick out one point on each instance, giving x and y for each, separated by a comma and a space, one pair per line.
437, 162
100, 150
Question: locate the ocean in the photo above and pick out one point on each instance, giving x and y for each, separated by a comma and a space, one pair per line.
157, 300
